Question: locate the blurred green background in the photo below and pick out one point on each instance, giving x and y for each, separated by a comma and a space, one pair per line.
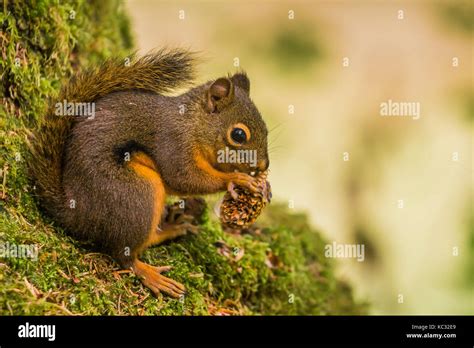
319, 109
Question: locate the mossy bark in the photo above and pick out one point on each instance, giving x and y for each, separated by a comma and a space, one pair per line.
281, 270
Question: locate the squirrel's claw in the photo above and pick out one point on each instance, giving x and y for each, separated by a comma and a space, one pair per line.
190, 227
231, 189
166, 285
151, 277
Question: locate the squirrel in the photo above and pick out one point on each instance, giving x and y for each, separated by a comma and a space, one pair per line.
105, 178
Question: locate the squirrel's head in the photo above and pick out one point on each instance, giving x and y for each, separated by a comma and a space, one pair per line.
240, 138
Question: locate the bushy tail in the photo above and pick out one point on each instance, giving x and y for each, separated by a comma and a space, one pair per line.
161, 72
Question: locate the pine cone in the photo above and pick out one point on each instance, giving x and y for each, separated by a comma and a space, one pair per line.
242, 212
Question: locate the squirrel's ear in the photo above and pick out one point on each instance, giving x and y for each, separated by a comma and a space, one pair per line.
220, 94
241, 80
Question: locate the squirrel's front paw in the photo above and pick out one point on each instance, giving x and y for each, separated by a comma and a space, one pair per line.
244, 180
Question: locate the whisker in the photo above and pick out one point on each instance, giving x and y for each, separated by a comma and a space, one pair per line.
277, 125
273, 150
271, 141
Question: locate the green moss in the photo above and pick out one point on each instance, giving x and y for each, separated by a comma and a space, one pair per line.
282, 271
279, 271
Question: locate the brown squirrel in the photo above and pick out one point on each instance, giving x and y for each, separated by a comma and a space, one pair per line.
105, 178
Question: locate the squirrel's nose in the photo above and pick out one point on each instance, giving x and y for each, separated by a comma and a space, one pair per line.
263, 165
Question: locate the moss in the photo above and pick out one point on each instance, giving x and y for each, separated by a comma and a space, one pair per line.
281, 270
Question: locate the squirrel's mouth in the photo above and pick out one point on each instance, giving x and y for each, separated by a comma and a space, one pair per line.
252, 173
238, 168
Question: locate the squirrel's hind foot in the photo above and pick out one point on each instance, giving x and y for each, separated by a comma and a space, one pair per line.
151, 277
189, 209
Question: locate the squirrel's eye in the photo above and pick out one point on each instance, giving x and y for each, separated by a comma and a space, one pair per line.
238, 135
